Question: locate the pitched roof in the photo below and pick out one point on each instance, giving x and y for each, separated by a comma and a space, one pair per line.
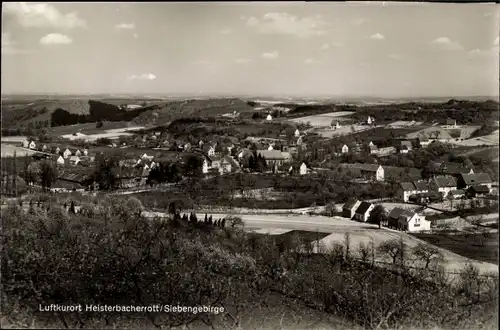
476, 178
406, 144
396, 212
363, 207
408, 186
480, 189
457, 192
445, 181
351, 202
415, 185
456, 169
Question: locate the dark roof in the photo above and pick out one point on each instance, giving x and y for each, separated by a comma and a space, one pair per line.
480, 189
350, 204
456, 169
415, 185
421, 185
423, 138
450, 121
477, 178
396, 212
410, 173
445, 181
406, 144
457, 192
363, 207
273, 154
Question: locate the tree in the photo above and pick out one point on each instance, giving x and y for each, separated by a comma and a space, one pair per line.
72, 207
234, 221
427, 253
48, 174
106, 172
378, 215
393, 249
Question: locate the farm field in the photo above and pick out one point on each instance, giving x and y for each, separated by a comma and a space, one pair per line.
13, 139
453, 261
110, 134
344, 130
484, 153
471, 246
9, 149
87, 128
324, 119
402, 123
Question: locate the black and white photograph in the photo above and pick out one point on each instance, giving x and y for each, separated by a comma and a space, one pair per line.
250, 165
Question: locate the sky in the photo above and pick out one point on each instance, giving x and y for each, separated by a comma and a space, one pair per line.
277, 48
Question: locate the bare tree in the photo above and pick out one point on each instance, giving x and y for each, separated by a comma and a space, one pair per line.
393, 249
427, 254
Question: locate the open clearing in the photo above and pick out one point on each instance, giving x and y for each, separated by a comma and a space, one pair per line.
402, 123
324, 119
344, 130
9, 149
110, 134
13, 139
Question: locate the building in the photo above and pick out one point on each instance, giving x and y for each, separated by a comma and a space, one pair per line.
274, 157
74, 160
363, 211
45, 148
228, 165
77, 153
207, 165
67, 153
384, 151
300, 168
32, 145
25, 143
456, 169
405, 147
372, 172
269, 117
210, 150
56, 150
370, 120
60, 161
466, 181
423, 141
335, 124
457, 194
407, 189
478, 191
85, 152
349, 208
451, 123
408, 220
297, 133
270, 147
345, 149
443, 184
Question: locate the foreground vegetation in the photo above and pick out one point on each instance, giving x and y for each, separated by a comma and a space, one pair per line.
109, 254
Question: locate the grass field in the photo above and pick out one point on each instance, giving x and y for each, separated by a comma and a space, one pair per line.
88, 128
9, 149
324, 119
109, 134
471, 246
344, 130
489, 153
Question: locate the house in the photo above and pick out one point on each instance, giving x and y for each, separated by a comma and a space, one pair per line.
228, 165
478, 191
345, 149
402, 174
373, 172
443, 184
372, 148
45, 148
67, 153
384, 151
207, 165
349, 208
408, 220
60, 161
132, 177
270, 147
423, 141
370, 120
77, 153
269, 117
456, 169
297, 133
210, 150
74, 160
335, 124
456, 194
407, 189
25, 143
146, 157
300, 168
32, 145
200, 144
363, 211
187, 147
466, 181
85, 152
274, 157
405, 147
451, 123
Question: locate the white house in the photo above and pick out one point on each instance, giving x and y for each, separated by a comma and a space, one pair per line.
44, 148
444, 184
26, 143
350, 207
297, 133
211, 151
406, 189
78, 153
74, 160
270, 147
300, 141
345, 149
269, 117
67, 153
32, 145
363, 211
146, 157
85, 152
370, 120
206, 166
408, 220
60, 160
303, 169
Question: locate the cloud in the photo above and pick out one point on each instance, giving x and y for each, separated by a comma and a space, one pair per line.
446, 44
377, 36
226, 31
55, 38
270, 55
9, 46
42, 15
284, 23
311, 61
243, 60
144, 76
125, 26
